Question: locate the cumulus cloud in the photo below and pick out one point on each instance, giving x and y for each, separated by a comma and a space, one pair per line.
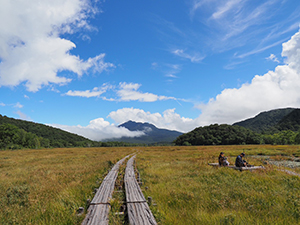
169, 119
99, 130
275, 89
129, 92
32, 50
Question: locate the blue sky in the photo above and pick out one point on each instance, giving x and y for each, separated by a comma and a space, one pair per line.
88, 66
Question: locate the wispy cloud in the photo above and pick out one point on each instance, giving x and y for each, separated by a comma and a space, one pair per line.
226, 8
273, 58
23, 116
275, 89
95, 92
255, 51
122, 93
18, 105
171, 76
237, 23
195, 58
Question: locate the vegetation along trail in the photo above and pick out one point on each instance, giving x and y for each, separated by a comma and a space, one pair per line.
48, 186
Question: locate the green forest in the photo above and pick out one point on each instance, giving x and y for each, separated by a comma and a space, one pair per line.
12, 137
18, 134
279, 127
235, 135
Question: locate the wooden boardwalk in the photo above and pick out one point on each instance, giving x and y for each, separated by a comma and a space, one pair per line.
138, 210
238, 168
99, 208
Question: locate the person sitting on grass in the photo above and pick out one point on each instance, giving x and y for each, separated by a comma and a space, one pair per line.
223, 160
239, 162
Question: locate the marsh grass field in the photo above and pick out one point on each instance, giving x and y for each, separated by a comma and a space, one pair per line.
47, 186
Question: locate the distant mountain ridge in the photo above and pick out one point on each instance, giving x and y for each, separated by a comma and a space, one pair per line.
152, 133
273, 121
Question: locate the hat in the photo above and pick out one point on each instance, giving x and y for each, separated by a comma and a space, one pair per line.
243, 154
221, 153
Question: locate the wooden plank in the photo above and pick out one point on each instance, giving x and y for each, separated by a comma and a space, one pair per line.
138, 210
238, 168
140, 213
99, 209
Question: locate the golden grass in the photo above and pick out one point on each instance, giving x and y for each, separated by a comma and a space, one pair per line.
188, 191
48, 186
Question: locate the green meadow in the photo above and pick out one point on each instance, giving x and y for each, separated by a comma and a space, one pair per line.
47, 186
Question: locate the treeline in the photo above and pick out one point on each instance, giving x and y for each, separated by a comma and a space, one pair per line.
235, 135
12, 137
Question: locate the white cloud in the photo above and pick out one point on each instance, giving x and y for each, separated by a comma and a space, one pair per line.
31, 49
129, 92
95, 92
226, 8
99, 130
275, 89
18, 105
171, 76
168, 119
193, 57
125, 92
236, 23
273, 58
2, 104
23, 116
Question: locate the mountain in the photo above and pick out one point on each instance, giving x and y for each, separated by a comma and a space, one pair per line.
56, 137
152, 133
273, 121
219, 135
290, 121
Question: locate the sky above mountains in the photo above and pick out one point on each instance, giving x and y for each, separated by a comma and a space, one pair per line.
88, 66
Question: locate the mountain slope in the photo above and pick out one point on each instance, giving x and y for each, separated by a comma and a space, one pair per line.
290, 121
266, 121
152, 133
219, 135
41, 130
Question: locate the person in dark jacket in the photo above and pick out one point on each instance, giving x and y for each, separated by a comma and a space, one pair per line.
223, 160
239, 162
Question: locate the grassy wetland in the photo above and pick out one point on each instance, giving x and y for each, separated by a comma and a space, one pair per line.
48, 186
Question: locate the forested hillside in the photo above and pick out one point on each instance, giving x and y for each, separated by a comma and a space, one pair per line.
16, 134
55, 137
266, 122
290, 122
219, 135
235, 135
